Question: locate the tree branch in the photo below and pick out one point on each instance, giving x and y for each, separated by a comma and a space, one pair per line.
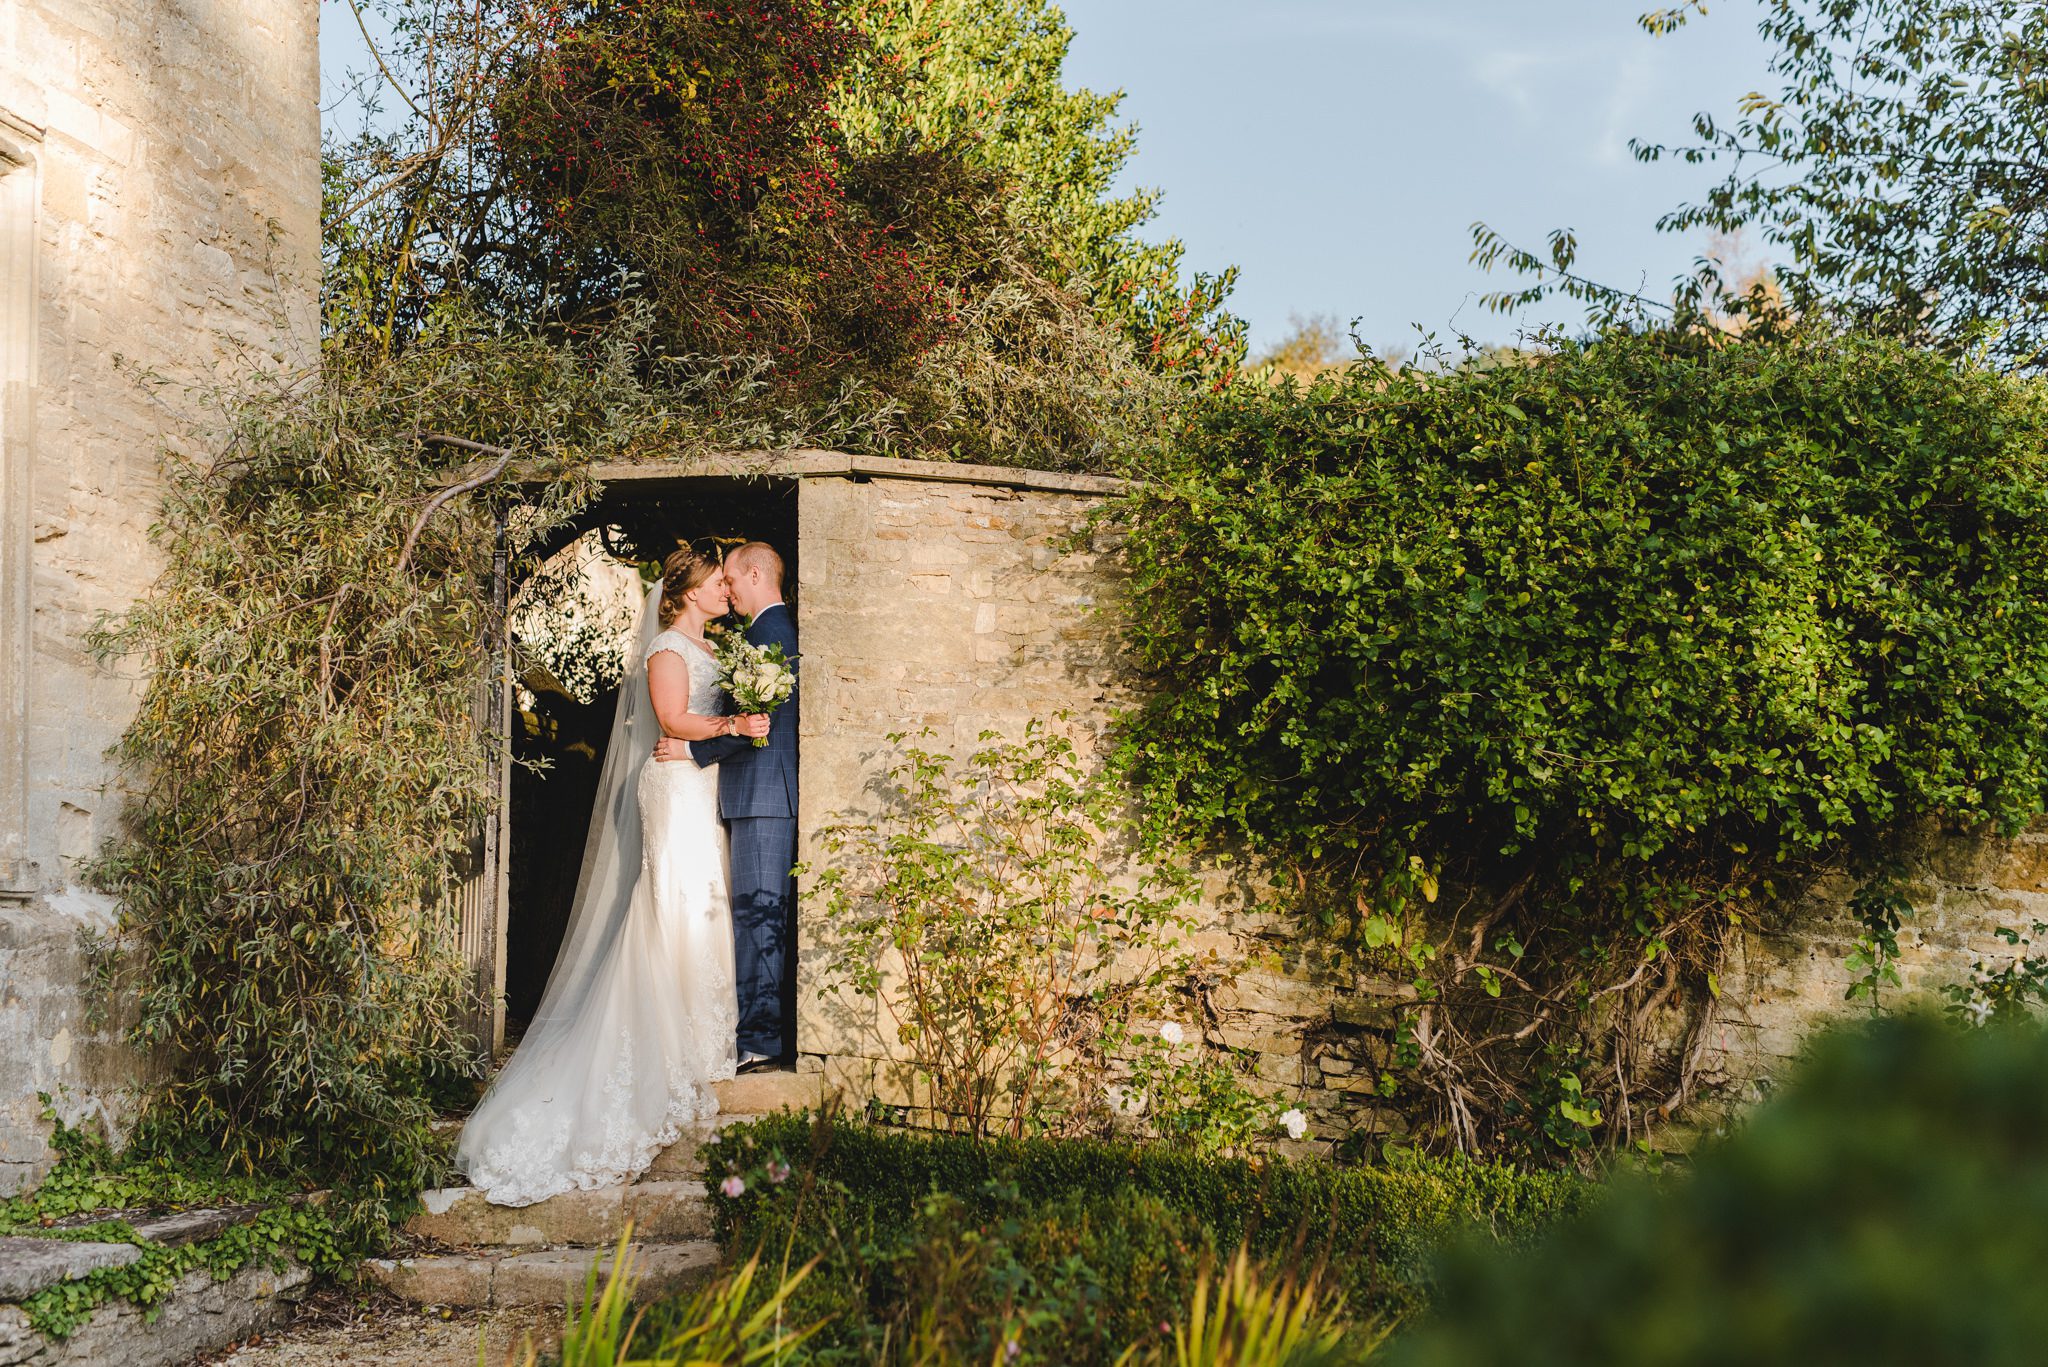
453, 491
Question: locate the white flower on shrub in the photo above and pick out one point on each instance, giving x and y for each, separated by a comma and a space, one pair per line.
734, 1186
1172, 1033
1294, 1122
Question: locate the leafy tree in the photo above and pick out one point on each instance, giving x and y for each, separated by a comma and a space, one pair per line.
985, 74
1900, 169
683, 152
1312, 345
568, 161
1901, 166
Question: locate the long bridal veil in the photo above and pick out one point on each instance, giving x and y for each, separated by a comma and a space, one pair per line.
612, 850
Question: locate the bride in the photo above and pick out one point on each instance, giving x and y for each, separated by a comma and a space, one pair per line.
640, 1014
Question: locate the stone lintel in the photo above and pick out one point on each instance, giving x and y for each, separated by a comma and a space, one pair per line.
834, 465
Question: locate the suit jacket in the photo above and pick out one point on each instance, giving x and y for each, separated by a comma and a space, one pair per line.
760, 781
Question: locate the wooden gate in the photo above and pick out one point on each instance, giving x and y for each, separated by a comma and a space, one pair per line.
483, 898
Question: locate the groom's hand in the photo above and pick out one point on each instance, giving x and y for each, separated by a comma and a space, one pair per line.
668, 747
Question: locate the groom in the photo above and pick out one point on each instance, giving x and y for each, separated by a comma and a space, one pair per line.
757, 798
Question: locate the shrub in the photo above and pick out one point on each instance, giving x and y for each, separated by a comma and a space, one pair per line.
1891, 1207
1020, 958
1542, 674
1078, 1248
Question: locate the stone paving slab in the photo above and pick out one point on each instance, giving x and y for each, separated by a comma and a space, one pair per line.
673, 1210
461, 1216
681, 1159
659, 1209
765, 1092
28, 1264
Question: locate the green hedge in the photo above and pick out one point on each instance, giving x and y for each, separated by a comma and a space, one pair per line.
1080, 1247
1890, 1208
1642, 601
1599, 650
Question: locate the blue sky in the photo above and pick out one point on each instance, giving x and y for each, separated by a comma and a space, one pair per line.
1339, 150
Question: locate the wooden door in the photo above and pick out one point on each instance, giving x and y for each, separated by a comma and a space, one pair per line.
482, 900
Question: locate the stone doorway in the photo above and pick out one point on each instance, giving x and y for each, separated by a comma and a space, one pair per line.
557, 727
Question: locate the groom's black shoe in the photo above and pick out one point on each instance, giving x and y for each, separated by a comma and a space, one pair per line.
754, 1063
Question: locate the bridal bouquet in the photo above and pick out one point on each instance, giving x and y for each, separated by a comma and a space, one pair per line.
759, 678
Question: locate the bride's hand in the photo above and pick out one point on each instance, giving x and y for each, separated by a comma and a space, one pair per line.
754, 724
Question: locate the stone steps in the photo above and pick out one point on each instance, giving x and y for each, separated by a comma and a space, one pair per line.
659, 1210
541, 1254
496, 1278
198, 1314
740, 1098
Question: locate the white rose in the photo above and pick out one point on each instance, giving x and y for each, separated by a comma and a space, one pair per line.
1172, 1033
1294, 1122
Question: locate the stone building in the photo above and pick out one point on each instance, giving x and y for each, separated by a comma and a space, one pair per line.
159, 223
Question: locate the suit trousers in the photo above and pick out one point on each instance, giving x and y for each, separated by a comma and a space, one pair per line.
763, 929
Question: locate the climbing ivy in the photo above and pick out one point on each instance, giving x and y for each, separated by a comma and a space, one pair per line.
323, 1233
308, 768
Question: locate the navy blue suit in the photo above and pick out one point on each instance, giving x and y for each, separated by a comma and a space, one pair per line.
757, 797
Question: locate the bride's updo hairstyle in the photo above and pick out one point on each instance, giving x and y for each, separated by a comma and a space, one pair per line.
684, 570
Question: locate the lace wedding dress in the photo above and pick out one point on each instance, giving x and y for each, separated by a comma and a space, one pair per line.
640, 1014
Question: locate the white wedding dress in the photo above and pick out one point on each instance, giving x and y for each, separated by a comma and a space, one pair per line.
640, 1014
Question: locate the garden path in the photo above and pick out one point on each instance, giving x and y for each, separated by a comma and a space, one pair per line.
338, 1326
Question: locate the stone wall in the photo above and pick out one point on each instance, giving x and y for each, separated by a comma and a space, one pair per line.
947, 605
168, 155
1787, 974
957, 606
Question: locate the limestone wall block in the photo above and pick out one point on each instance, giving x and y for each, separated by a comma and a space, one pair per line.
179, 220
